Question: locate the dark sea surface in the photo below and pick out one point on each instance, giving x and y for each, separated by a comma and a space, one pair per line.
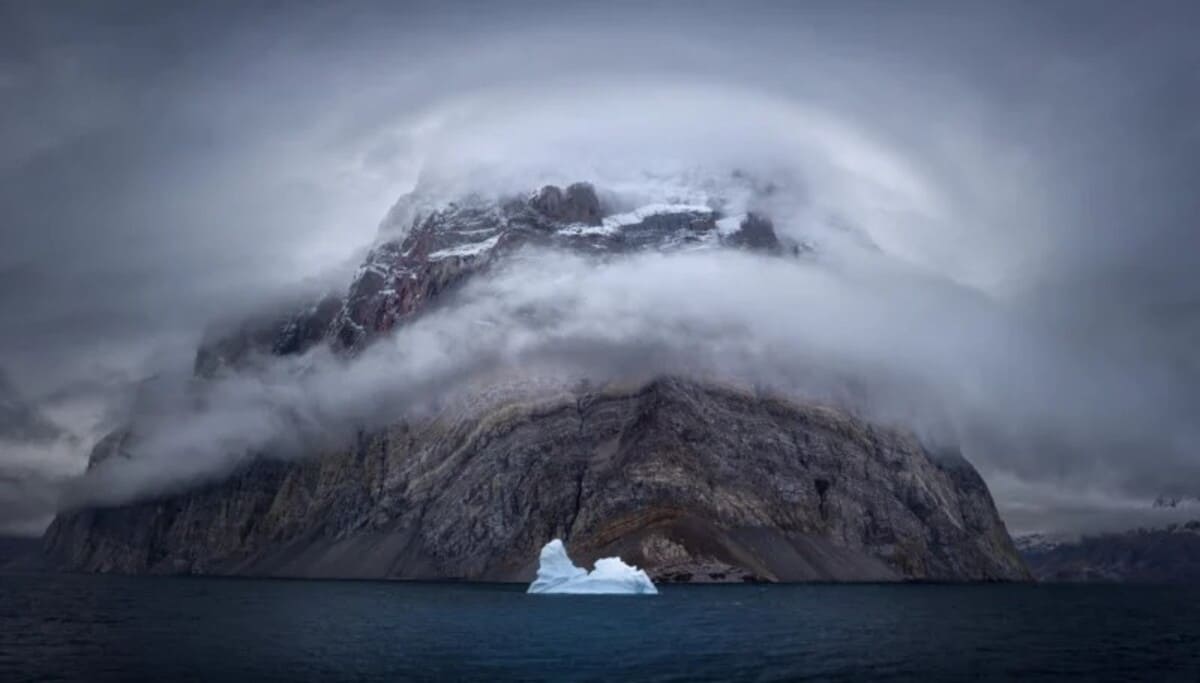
76, 628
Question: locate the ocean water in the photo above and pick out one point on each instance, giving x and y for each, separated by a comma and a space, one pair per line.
180, 629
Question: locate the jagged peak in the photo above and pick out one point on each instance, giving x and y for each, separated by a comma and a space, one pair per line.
449, 239
578, 203
582, 199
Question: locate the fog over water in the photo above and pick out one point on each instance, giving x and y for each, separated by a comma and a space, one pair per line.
1001, 199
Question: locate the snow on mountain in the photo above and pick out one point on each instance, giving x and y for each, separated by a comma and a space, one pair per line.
450, 240
466, 249
640, 214
1041, 542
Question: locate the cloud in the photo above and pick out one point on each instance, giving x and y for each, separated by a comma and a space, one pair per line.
1025, 175
21, 421
893, 344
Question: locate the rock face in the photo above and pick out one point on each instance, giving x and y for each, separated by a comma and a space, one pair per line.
578, 204
690, 481
1169, 555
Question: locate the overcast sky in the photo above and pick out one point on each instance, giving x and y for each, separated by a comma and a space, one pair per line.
162, 166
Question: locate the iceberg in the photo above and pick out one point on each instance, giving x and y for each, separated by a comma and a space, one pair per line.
557, 574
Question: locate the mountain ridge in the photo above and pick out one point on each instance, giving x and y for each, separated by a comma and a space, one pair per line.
1168, 554
452, 242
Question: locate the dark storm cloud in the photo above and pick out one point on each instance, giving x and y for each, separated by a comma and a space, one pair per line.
162, 166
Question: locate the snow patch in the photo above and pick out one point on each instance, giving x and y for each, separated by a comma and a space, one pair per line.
371, 266
557, 574
730, 224
613, 224
582, 230
469, 249
617, 221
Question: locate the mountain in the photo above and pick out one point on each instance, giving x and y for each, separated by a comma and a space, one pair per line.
1171, 555
692, 479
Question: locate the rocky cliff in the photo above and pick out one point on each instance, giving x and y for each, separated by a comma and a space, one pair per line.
692, 481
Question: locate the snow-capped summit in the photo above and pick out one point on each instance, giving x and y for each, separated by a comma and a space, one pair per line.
441, 249
448, 242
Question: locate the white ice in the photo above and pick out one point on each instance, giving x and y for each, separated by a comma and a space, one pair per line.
636, 216
557, 574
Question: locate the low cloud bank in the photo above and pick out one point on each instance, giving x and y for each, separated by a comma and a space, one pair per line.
890, 343
1004, 211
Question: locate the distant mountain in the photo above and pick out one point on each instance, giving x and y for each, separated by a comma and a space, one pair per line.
1170, 555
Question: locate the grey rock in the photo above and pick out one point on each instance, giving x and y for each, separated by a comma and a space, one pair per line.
692, 481
756, 232
577, 204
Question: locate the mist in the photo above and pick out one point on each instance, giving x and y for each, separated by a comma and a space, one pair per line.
1000, 203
